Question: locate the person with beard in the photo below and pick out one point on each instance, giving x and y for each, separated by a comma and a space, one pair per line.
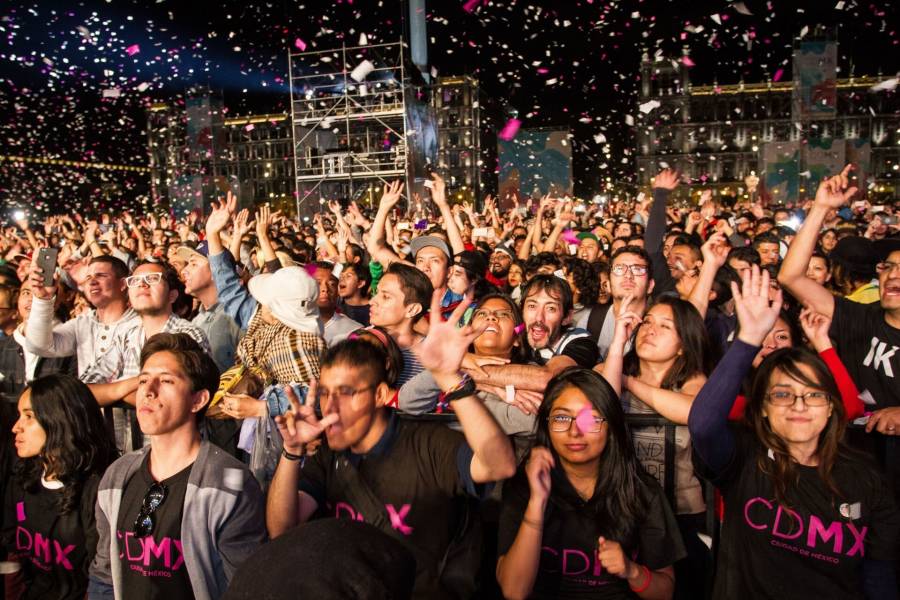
89, 335
498, 265
353, 291
629, 276
152, 290
553, 342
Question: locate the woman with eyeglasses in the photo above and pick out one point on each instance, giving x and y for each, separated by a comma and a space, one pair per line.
805, 516
63, 447
582, 518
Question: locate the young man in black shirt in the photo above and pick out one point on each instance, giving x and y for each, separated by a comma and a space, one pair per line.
413, 480
176, 518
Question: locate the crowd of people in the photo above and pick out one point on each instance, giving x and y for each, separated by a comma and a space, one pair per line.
549, 400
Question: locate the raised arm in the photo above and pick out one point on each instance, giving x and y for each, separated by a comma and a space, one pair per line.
376, 246
708, 419
242, 225
439, 196
715, 255
264, 218
533, 239
217, 221
611, 368
663, 184
442, 352
563, 217
832, 194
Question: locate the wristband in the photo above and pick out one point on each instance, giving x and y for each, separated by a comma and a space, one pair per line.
464, 389
646, 585
293, 457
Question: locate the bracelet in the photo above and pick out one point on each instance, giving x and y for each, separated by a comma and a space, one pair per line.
646, 585
463, 389
293, 457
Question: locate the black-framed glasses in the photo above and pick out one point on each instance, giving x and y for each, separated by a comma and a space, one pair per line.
343, 393
144, 524
786, 398
563, 423
636, 270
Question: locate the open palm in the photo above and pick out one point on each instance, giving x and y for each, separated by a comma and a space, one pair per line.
445, 346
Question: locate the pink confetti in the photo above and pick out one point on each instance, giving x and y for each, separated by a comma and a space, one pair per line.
510, 130
778, 75
585, 419
300, 44
686, 61
471, 5
132, 50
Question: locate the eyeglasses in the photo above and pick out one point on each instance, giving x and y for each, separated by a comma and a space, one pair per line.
562, 423
886, 266
483, 313
148, 279
785, 398
636, 270
343, 393
143, 525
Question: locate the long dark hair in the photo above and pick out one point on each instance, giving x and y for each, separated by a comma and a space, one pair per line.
781, 469
697, 354
78, 444
620, 495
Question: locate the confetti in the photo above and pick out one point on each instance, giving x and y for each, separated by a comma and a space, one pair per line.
509, 130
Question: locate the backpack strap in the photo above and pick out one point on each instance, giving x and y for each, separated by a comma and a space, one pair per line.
596, 319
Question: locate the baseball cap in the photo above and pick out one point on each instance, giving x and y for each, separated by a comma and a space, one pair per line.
188, 249
429, 240
504, 249
587, 235
291, 294
472, 261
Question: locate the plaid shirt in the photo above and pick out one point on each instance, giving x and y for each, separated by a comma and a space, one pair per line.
124, 357
123, 361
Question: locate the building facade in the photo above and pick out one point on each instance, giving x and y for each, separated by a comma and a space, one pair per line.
717, 134
458, 112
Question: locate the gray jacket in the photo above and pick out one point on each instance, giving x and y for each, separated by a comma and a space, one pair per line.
223, 522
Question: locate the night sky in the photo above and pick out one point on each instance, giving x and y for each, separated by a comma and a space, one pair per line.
571, 63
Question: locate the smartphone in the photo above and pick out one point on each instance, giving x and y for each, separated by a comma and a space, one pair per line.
46, 260
890, 219
878, 208
483, 232
404, 226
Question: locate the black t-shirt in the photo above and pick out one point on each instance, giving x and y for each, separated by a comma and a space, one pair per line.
575, 343
568, 565
869, 348
55, 550
414, 484
153, 567
360, 314
812, 549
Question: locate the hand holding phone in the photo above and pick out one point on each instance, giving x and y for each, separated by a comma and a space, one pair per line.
46, 261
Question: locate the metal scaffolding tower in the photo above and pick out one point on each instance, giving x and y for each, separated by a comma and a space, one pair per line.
350, 111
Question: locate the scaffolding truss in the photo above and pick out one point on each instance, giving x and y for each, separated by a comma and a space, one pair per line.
350, 131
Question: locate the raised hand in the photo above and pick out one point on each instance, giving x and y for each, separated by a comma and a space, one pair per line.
438, 189
443, 349
626, 322
612, 557
834, 192
242, 223
299, 425
264, 218
538, 468
221, 214
36, 277
815, 326
715, 250
666, 179
756, 315
391, 195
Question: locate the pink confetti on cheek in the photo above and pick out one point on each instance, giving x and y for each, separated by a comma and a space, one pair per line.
300, 44
778, 75
510, 130
585, 419
132, 50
